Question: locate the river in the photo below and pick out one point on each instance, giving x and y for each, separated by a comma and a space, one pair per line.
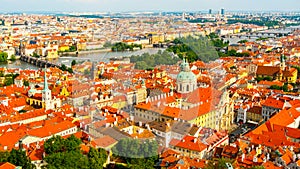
102, 56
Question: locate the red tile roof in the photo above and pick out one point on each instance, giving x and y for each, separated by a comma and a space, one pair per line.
190, 143
7, 165
104, 141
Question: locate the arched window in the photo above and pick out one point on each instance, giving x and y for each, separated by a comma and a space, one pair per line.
187, 87
180, 87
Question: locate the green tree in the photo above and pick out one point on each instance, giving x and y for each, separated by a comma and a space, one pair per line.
268, 78
63, 67
72, 143
3, 56
54, 145
65, 153
70, 70
19, 158
242, 41
96, 157
8, 81
197, 48
141, 65
12, 57
73, 62
26, 83
220, 164
275, 87
257, 167
231, 52
72, 48
213, 35
35, 55
67, 160
4, 156
285, 87
134, 148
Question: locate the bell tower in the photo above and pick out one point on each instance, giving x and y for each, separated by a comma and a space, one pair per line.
46, 93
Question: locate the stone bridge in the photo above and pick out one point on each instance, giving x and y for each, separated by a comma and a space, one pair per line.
38, 62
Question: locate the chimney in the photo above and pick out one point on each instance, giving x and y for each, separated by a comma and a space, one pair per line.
183, 140
195, 140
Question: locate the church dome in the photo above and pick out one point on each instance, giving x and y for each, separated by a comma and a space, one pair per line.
186, 80
185, 74
186, 77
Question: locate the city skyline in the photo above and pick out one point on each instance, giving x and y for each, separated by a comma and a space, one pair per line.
138, 5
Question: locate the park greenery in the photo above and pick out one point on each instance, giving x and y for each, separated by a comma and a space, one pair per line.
148, 61
3, 56
217, 42
284, 87
220, 163
255, 22
242, 41
73, 63
35, 55
261, 39
65, 153
26, 83
121, 47
197, 48
267, 78
137, 154
17, 158
72, 49
63, 67
107, 45
8, 78
233, 53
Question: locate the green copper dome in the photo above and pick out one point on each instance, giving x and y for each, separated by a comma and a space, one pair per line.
185, 75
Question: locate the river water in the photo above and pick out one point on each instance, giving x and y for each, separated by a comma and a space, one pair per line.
103, 56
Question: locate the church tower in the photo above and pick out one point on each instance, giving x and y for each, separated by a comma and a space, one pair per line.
186, 81
282, 62
46, 93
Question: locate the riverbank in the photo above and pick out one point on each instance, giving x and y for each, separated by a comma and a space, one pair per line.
80, 53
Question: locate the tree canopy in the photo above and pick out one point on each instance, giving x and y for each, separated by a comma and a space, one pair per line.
138, 154
120, 47
16, 157
197, 48
220, 163
3, 56
65, 153
147, 61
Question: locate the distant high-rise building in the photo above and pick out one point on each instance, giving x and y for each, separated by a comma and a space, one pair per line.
209, 11
222, 11
183, 16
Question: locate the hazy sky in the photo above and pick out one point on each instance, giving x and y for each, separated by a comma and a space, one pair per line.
146, 5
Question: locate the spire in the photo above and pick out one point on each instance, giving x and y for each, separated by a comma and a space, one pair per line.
45, 79
281, 58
